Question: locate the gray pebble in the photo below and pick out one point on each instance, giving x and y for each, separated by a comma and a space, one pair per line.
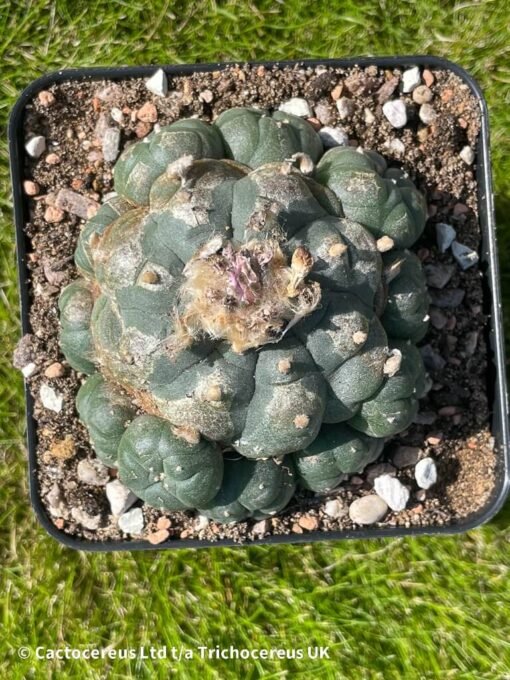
427, 114
119, 497
437, 318
345, 108
158, 83
432, 360
76, 203
465, 256
425, 473
378, 469
445, 235
92, 472
392, 491
448, 298
324, 113
468, 155
28, 369
335, 509
201, 523
438, 274
297, 106
90, 522
425, 418
111, 142
36, 146
422, 95
367, 510
131, 522
51, 399
333, 136
56, 503
470, 343
411, 79
395, 112
405, 456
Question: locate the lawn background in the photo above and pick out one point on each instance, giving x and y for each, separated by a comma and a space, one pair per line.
406, 608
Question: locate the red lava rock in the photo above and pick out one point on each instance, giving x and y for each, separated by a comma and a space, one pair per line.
163, 523
147, 113
53, 159
30, 188
185, 533
158, 536
53, 215
428, 77
59, 522
46, 98
308, 522
296, 529
55, 370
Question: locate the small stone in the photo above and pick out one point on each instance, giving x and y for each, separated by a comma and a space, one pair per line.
425, 473
438, 274
109, 92
30, 188
411, 78
28, 369
445, 235
468, 155
77, 204
378, 469
51, 399
36, 146
460, 209
206, 96
90, 522
427, 114
384, 244
422, 95
142, 129
260, 528
111, 142
387, 89
470, 343
308, 522
201, 523
421, 495
297, 106
54, 370
336, 92
163, 523
131, 522
425, 418
62, 449
434, 439
465, 256
55, 500
119, 497
296, 529
53, 215
428, 77
392, 491
92, 472
367, 510
158, 536
117, 115
52, 159
325, 114
368, 116
345, 108
335, 509
333, 136
147, 113
448, 298
46, 98
432, 360
406, 456
397, 147
448, 411
158, 83
395, 112
437, 318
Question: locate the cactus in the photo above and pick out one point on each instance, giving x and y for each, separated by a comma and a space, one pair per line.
246, 318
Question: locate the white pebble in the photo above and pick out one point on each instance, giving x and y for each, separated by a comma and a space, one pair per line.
158, 83
119, 497
397, 146
201, 523
427, 114
345, 108
335, 509
261, 528
392, 491
111, 142
425, 473
445, 235
51, 399
297, 106
468, 155
117, 115
411, 79
28, 369
36, 146
90, 522
92, 472
333, 136
367, 510
369, 116
396, 113
465, 256
131, 522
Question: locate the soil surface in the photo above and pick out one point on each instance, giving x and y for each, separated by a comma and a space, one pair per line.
453, 424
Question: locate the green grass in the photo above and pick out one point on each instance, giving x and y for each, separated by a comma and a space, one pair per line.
414, 608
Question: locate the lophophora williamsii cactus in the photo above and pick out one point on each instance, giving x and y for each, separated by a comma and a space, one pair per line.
247, 311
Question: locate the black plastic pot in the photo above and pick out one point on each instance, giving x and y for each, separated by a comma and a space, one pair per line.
496, 379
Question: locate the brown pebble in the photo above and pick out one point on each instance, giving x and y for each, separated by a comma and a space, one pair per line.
463, 123
446, 95
59, 523
30, 188
52, 159
422, 95
142, 129
434, 439
158, 536
448, 411
428, 77
460, 209
308, 522
336, 92
54, 370
52, 215
147, 113
185, 533
63, 449
77, 183
163, 523
296, 529
46, 98
96, 104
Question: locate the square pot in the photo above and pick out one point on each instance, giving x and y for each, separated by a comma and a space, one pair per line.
496, 380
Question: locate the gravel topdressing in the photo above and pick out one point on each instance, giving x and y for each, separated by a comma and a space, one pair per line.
430, 130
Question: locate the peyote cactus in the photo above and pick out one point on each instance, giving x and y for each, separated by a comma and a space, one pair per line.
247, 318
